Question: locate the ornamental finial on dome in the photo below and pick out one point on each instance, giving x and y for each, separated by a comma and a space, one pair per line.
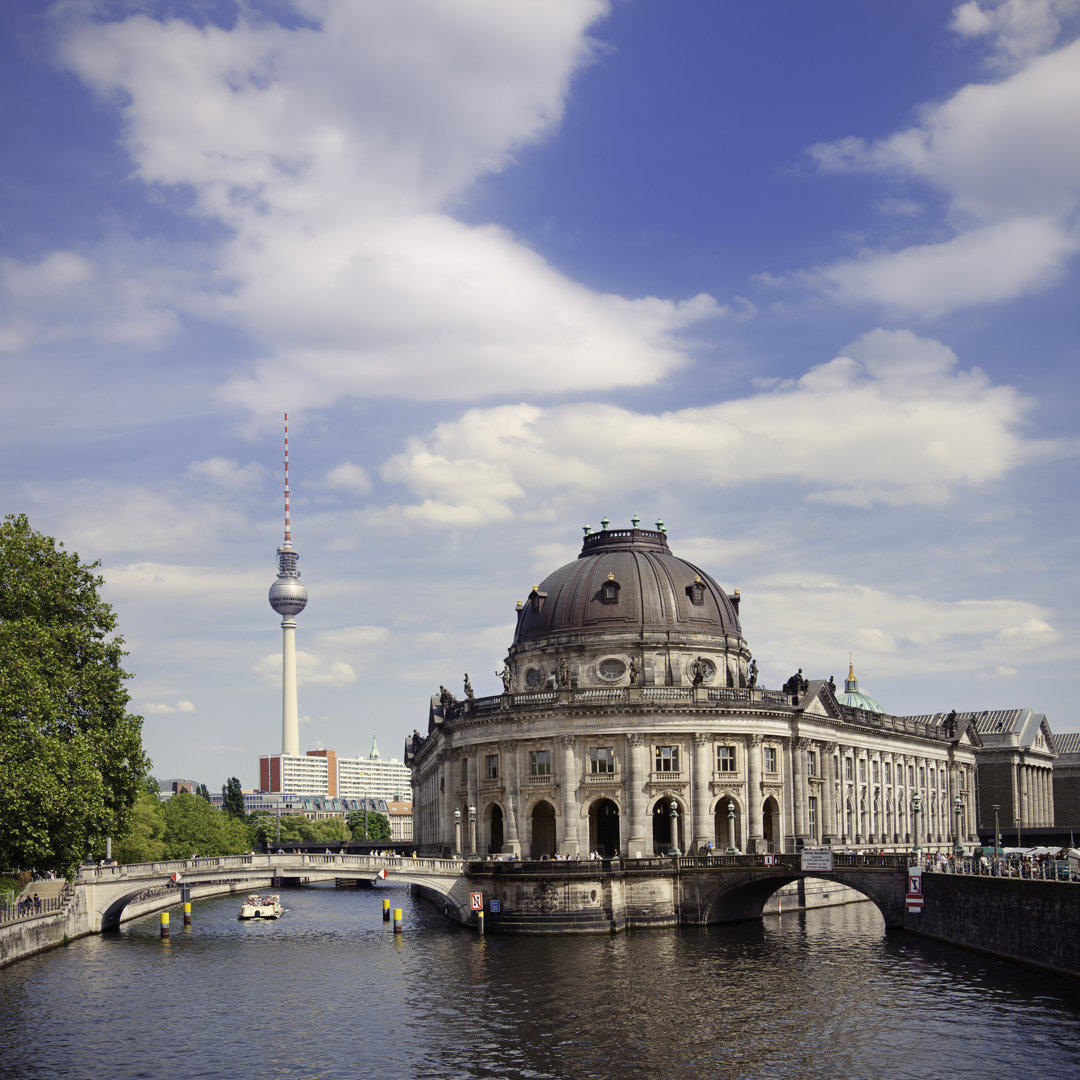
604, 523
586, 528
660, 525
635, 521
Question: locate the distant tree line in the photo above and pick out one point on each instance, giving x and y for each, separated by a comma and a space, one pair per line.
188, 824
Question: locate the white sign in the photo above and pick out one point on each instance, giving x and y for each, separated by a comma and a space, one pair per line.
817, 859
914, 890
476, 901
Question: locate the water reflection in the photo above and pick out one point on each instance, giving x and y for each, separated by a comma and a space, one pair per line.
330, 992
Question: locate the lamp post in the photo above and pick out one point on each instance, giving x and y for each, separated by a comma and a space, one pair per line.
674, 829
731, 848
958, 809
457, 834
472, 833
997, 833
916, 809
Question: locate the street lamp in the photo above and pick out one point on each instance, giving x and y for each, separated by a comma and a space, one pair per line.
958, 808
674, 829
731, 848
916, 809
997, 833
472, 833
457, 834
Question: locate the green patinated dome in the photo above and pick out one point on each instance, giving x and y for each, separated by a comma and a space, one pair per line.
853, 697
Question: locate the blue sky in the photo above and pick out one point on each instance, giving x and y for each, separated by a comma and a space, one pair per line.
798, 279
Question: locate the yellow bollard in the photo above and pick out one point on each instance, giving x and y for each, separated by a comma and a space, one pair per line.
386, 911
187, 913
397, 920
164, 924
480, 922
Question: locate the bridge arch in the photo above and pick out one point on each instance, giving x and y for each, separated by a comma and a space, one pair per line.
735, 897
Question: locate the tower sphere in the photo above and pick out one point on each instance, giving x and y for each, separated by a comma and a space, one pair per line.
288, 596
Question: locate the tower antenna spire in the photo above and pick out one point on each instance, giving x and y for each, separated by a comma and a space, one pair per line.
288, 531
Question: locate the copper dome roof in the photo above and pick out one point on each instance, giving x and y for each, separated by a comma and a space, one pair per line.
627, 579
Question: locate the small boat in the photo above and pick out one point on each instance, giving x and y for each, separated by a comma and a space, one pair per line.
261, 907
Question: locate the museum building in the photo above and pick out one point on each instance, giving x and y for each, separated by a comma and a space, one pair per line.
632, 723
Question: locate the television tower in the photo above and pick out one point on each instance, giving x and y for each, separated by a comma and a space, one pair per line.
288, 598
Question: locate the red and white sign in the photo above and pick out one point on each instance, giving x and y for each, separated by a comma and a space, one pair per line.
476, 901
383, 873
770, 860
914, 890
174, 877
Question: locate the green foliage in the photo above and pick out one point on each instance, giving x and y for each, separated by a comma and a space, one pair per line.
71, 757
232, 798
144, 840
377, 825
195, 827
202, 791
330, 831
296, 829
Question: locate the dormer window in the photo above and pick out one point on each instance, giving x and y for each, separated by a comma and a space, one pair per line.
536, 599
696, 591
609, 591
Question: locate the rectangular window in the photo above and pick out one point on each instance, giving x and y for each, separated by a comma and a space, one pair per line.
862, 770
922, 777
888, 772
725, 759
667, 759
848, 773
491, 766
539, 762
601, 759
769, 754
911, 775
811, 816
811, 763
874, 771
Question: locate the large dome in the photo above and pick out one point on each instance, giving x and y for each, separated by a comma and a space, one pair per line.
627, 579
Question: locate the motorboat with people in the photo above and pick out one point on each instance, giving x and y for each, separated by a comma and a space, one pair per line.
261, 907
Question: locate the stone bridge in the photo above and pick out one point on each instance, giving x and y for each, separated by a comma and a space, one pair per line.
114, 894
607, 895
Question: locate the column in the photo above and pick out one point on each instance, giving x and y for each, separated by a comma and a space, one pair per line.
828, 810
798, 788
569, 845
703, 829
754, 836
637, 847
512, 800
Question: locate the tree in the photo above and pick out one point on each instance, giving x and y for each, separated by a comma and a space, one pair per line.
71, 756
195, 827
144, 840
369, 825
232, 798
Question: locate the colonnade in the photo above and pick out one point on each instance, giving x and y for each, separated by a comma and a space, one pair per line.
815, 791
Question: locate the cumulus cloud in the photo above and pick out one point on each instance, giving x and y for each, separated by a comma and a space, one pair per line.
349, 477
1030, 634
893, 420
1012, 226
1015, 29
309, 669
226, 473
333, 154
152, 708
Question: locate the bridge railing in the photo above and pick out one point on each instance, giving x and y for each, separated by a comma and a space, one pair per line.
27, 907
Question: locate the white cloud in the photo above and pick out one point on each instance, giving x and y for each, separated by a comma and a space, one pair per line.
215, 586
153, 708
309, 669
1016, 29
893, 421
1030, 634
226, 473
334, 154
1012, 225
349, 477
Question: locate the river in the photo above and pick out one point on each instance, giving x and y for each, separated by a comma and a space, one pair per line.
329, 992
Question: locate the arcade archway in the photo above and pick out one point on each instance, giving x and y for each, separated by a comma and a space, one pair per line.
604, 828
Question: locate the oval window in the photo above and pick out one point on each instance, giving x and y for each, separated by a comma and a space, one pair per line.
611, 669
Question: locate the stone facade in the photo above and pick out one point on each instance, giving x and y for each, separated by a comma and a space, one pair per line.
1067, 781
632, 723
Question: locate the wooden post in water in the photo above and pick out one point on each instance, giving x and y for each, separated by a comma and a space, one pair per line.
480, 922
386, 911
164, 924
187, 912
397, 920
